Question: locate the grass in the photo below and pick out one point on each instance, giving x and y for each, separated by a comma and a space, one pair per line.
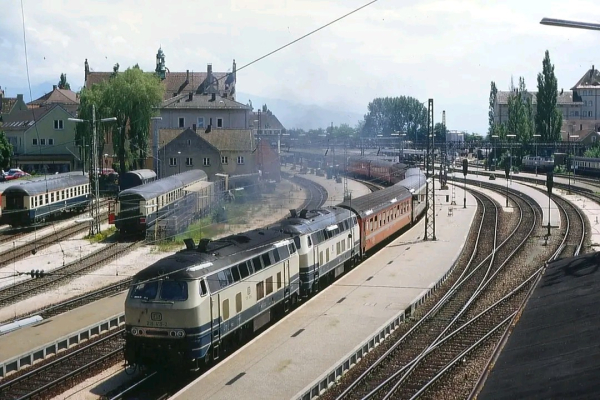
235, 214
102, 236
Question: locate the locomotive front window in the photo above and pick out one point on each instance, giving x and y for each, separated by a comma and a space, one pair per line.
174, 291
146, 291
297, 241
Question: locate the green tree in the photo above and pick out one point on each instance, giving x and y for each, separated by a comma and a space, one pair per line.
6, 151
396, 114
343, 131
548, 119
131, 97
62, 83
439, 130
492, 112
593, 152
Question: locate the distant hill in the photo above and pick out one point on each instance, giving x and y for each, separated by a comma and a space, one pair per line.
304, 116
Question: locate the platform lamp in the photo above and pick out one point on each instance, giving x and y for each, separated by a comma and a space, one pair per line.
179, 160
494, 140
536, 153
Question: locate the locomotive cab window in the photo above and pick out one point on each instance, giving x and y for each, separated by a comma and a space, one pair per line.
174, 290
145, 291
244, 272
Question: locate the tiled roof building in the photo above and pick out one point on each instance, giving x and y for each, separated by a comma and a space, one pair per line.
177, 83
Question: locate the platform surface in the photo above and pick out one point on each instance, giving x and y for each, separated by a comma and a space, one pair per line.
554, 350
28, 338
296, 351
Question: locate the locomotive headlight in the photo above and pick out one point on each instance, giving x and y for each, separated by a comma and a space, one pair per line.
134, 331
180, 334
172, 333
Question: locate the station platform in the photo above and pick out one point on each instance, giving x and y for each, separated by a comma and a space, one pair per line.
335, 190
553, 351
299, 352
24, 346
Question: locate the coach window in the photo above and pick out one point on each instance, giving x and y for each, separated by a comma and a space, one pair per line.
257, 264
260, 290
244, 272
226, 309
46, 198
238, 302
266, 260
203, 290
236, 273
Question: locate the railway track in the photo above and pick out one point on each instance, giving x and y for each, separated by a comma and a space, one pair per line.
31, 247
317, 194
16, 292
51, 378
473, 310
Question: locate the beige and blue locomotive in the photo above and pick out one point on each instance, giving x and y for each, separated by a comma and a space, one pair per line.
26, 203
184, 308
139, 207
328, 244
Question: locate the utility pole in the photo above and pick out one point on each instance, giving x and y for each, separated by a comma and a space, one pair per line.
95, 228
430, 177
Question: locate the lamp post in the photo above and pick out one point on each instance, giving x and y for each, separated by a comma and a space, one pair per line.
179, 160
536, 154
494, 140
94, 177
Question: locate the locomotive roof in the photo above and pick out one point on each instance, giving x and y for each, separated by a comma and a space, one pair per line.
218, 254
159, 187
374, 202
142, 173
307, 221
41, 186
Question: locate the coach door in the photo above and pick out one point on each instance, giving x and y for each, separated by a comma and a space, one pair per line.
215, 324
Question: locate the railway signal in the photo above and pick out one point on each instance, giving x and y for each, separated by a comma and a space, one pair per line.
549, 185
465, 166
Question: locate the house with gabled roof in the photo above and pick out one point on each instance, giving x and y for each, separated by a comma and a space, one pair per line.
56, 96
178, 83
43, 138
227, 151
579, 106
10, 104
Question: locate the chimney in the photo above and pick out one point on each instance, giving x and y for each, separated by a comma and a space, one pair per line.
87, 69
194, 127
187, 76
53, 87
191, 96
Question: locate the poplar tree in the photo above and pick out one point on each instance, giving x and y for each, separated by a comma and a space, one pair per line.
548, 119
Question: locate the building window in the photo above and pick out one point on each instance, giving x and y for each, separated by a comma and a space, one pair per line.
580, 127
206, 162
58, 124
240, 159
224, 160
589, 113
189, 142
219, 122
34, 142
188, 161
200, 122
181, 122
172, 162
591, 103
51, 142
42, 142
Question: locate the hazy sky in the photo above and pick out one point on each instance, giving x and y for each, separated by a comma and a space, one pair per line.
448, 50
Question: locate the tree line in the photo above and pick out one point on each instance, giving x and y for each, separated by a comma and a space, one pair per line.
526, 119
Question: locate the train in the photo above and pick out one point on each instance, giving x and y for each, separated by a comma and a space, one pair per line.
543, 164
586, 166
28, 202
136, 178
183, 310
139, 207
375, 169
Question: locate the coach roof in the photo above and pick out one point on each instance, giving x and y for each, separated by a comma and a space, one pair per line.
377, 201
165, 185
33, 188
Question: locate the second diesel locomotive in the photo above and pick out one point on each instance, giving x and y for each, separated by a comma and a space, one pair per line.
184, 309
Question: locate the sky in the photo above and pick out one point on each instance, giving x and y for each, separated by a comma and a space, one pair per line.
448, 50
